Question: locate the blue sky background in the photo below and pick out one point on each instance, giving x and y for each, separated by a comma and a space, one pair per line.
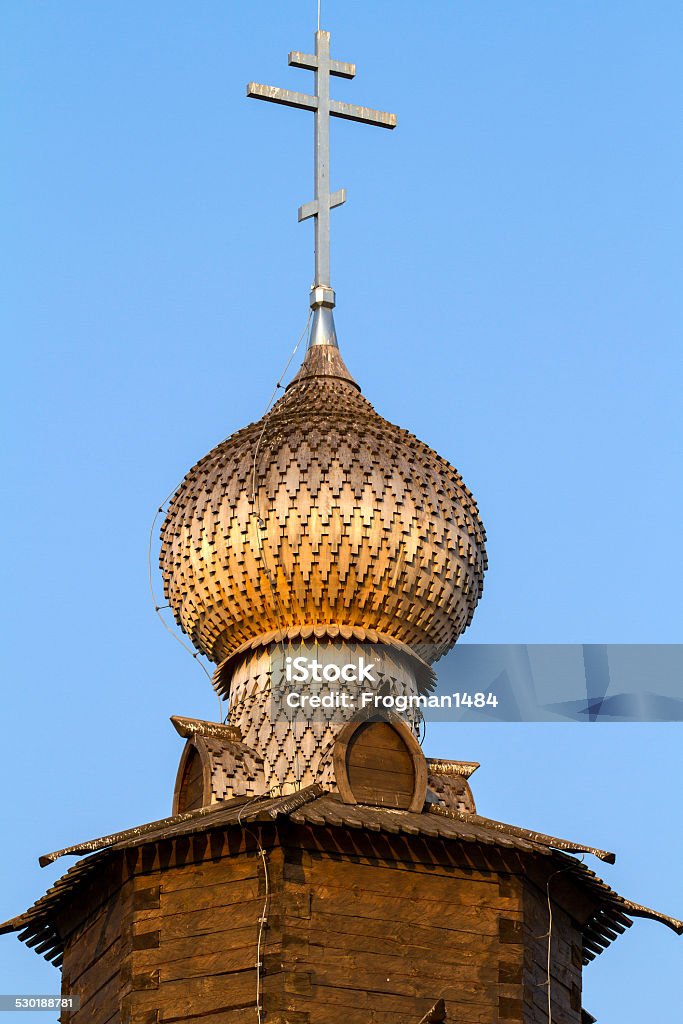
508, 271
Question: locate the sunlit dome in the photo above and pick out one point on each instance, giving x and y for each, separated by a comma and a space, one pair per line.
323, 513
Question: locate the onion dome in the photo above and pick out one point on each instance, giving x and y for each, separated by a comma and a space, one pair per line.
322, 514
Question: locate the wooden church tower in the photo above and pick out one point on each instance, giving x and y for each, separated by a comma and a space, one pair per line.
318, 868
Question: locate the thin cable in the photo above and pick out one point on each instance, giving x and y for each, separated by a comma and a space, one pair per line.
270, 402
262, 923
263, 918
157, 607
550, 931
260, 522
550, 937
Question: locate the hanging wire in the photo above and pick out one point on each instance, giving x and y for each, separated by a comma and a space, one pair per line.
549, 934
163, 507
263, 916
270, 402
159, 608
261, 525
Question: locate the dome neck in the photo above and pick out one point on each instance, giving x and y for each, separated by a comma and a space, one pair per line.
323, 358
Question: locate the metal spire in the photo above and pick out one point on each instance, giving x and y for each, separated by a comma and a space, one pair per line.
322, 294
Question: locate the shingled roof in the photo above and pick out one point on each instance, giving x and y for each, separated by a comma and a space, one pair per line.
315, 807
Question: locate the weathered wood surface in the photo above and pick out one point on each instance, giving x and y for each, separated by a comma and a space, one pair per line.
323, 516
337, 879
354, 933
342, 496
437, 1014
190, 787
215, 766
387, 939
324, 822
566, 958
418, 848
96, 949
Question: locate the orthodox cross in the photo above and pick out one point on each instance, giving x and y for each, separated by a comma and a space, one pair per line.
323, 107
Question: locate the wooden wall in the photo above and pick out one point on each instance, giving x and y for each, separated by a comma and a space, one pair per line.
177, 939
97, 945
360, 928
384, 927
565, 961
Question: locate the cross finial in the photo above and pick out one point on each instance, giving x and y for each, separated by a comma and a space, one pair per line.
322, 294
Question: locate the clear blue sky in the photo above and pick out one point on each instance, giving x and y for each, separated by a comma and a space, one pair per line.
508, 270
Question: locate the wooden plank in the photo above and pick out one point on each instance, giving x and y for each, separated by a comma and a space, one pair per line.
216, 961
213, 919
374, 778
222, 870
145, 940
104, 931
99, 972
387, 760
229, 963
470, 1013
179, 1000
328, 963
190, 792
96, 1007
382, 797
398, 983
349, 888
561, 973
243, 1015
221, 894
330, 997
376, 736
561, 1001
387, 878
104, 889
391, 911
364, 935
114, 1019
228, 941
456, 951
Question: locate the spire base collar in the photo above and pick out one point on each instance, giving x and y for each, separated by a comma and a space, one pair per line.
322, 295
323, 331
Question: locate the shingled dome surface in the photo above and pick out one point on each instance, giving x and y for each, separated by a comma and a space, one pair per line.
323, 512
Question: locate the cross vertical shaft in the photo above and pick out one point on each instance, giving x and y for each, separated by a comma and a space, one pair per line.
322, 161
323, 107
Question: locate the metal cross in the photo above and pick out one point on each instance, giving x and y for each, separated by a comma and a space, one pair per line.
323, 107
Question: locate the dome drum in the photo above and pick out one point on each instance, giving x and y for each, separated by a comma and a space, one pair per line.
295, 738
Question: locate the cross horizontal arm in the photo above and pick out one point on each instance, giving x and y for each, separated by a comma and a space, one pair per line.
309, 61
350, 112
275, 95
312, 209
